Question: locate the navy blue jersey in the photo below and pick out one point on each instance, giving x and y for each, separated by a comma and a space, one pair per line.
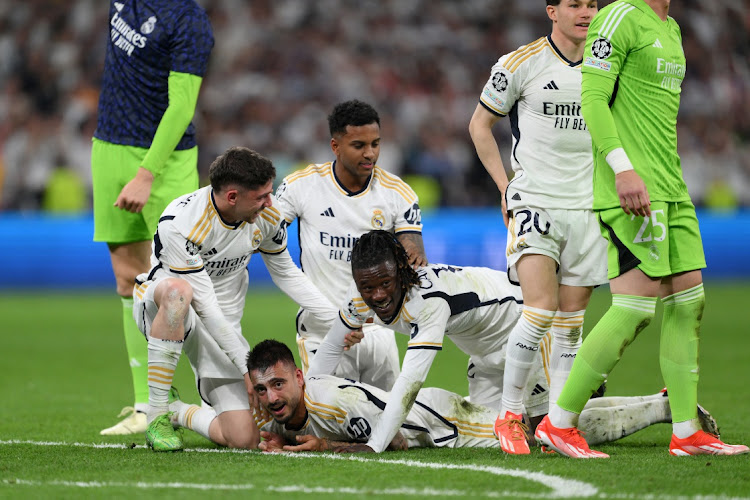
147, 40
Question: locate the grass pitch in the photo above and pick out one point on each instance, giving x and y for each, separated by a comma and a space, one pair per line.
64, 377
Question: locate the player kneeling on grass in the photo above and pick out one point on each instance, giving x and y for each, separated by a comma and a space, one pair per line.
194, 297
477, 307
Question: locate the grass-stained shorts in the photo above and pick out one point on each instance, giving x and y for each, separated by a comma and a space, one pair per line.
667, 243
113, 166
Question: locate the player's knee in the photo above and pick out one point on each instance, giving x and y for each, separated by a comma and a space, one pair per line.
174, 294
242, 440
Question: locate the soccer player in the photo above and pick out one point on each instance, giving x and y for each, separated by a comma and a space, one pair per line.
322, 413
335, 202
477, 307
632, 74
554, 245
144, 150
194, 297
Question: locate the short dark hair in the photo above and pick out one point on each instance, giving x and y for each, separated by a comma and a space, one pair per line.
267, 353
378, 246
243, 166
354, 112
553, 2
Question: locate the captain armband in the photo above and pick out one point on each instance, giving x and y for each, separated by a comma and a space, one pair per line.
618, 161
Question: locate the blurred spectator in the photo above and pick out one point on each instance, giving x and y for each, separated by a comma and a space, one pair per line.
418, 61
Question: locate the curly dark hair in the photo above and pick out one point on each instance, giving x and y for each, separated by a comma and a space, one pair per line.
242, 166
378, 246
267, 353
354, 112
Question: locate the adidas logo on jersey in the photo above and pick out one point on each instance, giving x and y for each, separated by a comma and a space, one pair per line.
213, 251
538, 389
657, 44
328, 213
551, 86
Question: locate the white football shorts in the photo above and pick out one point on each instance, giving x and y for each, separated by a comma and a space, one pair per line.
570, 237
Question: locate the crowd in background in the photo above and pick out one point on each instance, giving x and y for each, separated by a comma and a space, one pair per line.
279, 66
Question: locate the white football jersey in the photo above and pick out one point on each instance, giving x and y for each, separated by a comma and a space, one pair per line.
193, 242
331, 219
552, 154
475, 306
344, 410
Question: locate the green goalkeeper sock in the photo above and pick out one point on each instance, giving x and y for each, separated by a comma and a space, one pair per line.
678, 352
603, 347
137, 348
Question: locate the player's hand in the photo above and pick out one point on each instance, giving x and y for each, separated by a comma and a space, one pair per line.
353, 338
398, 443
272, 443
308, 443
135, 194
252, 397
631, 190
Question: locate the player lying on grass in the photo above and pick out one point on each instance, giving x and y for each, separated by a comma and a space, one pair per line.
476, 307
327, 413
195, 295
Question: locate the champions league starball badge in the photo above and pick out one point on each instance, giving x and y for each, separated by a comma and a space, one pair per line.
500, 81
601, 48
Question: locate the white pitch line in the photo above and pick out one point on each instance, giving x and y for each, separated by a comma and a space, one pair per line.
562, 488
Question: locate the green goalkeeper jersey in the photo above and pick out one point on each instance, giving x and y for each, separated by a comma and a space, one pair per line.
633, 68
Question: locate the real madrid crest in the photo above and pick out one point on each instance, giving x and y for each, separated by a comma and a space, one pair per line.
148, 26
378, 219
256, 238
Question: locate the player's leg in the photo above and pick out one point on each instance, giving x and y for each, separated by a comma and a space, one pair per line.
583, 265
128, 239
537, 275
684, 299
229, 421
164, 307
631, 265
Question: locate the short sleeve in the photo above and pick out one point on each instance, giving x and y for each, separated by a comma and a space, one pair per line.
503, 88
272, 231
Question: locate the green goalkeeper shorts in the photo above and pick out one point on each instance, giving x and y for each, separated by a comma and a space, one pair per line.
113, 166
667, 243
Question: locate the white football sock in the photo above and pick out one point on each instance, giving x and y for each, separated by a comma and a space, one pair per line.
192, 417
523, 347
566, 339
163, 356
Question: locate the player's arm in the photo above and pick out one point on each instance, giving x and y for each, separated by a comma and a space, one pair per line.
603, 59
480, 129
414, 246
298, 286
596, 92
329, 351
183, 97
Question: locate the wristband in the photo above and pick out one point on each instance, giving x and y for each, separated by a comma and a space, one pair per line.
618, 161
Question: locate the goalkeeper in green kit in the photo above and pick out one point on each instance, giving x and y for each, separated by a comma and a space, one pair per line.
633, 68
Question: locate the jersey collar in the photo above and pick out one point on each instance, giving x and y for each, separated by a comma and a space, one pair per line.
226, 224
341, 185
560, 54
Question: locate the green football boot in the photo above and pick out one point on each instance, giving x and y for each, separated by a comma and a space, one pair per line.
160, 436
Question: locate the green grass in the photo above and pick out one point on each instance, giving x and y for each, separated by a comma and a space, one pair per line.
64, 377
